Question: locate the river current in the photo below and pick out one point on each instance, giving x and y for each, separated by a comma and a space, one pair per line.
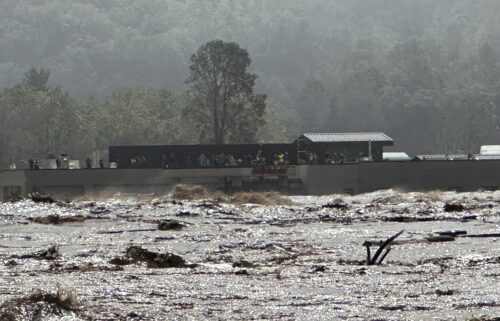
264, 258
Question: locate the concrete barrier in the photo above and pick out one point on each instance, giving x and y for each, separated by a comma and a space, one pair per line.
308, 179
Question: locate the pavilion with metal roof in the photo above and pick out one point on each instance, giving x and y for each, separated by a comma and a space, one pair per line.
333, 148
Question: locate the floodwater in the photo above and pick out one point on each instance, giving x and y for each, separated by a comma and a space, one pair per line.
300, 261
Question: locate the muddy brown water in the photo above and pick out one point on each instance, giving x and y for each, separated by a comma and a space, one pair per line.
302, 261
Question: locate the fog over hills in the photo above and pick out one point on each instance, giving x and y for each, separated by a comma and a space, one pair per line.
425, 72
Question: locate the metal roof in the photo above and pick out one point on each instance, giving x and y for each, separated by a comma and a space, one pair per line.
347, 137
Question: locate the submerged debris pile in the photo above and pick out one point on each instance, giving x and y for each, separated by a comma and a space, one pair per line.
50, 254
55, 219
336, 204
137, 254
40, 306
41, 198
453, 207
170, 225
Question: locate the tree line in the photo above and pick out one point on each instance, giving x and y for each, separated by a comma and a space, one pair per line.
219, 106
412, 93
425, 72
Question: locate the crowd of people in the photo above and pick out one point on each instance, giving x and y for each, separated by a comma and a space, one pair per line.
203, 160
224, 160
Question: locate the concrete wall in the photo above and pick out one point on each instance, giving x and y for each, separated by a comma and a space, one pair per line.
72, 183
423, 175
330, 179
308, 179
428, 175
10, 182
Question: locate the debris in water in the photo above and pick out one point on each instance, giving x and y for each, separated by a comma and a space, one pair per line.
444, 292
84, 268
411, 219
186, 214
408, 219
99, 210
241, 272
170, 225
41, 198
207, 204
163, 238
386, 244
490, 260
453, 233
440, 238
39, 306
453, 207
11, 263
337, 204
137, 230
136, 254
52, 253
243, 264
132, 314
320, 268
55, 219
483, 235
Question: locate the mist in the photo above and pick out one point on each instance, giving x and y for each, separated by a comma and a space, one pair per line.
424, 72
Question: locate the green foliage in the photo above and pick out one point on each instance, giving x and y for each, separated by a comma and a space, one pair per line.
37, 80
134, 116
37, 119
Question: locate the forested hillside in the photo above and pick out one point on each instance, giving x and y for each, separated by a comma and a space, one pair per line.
426, 72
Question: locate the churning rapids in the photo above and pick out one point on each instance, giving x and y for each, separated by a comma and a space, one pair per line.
286, 258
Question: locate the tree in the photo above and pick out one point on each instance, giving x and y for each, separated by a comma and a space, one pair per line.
134, 116
37, 119
221, 99
37, 80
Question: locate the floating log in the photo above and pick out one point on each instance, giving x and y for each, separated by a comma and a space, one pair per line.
486, 235
440, 238
453, 233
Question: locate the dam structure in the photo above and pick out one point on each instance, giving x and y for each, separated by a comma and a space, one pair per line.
314, 164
